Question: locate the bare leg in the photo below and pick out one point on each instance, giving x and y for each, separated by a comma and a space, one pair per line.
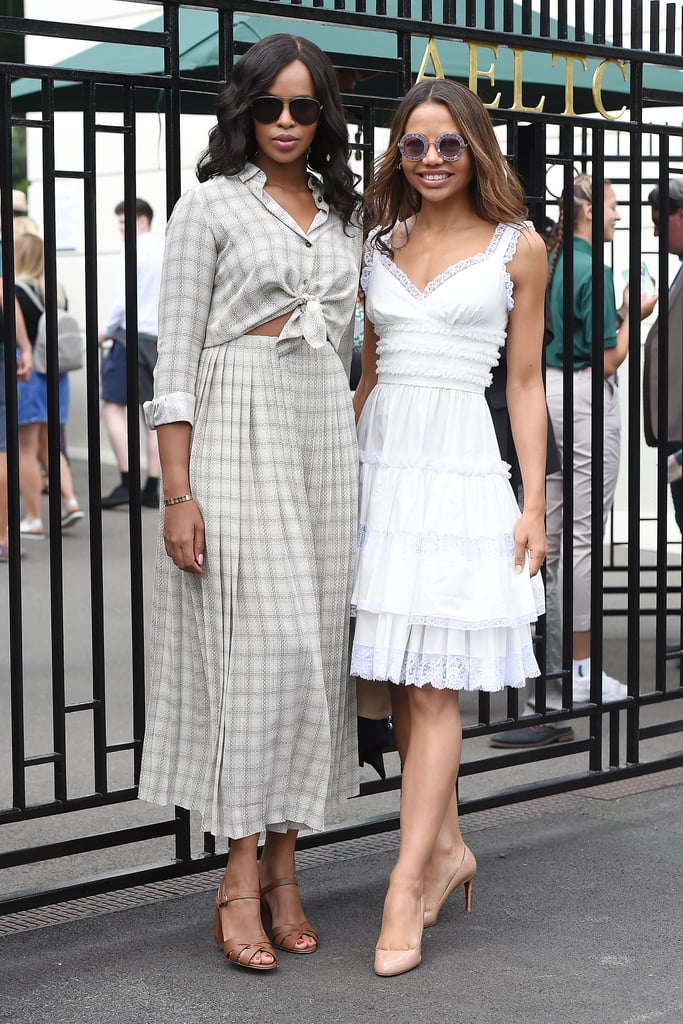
241, 919
30, 479
581, 644
448, 847
277, 861
430, 769
114, 418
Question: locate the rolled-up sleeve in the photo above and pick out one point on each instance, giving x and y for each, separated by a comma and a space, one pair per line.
187, 285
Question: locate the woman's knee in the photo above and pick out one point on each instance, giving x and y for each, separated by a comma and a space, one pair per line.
429, 703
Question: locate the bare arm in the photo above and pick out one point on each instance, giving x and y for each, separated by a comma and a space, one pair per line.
25, 357
183, 523
615, 356
368, 362
526, 396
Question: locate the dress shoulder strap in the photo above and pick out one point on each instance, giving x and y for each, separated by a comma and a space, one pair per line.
509, 237
370, 254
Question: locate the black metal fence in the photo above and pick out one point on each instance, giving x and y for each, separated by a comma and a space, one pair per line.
566, 95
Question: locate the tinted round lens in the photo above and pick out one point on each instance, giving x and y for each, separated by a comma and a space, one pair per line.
266, 109
450, 146
304, 110
413, 147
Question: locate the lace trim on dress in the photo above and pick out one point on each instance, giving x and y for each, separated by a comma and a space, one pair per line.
445, 671
502, 622
469, 262
439, 465
510, 251
445, 275
369, 253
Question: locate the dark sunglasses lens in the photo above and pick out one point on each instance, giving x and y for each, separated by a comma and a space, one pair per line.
266, 109
413, 148
450, 147
304, 110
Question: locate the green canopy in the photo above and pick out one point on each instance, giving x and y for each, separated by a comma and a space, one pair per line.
369, 57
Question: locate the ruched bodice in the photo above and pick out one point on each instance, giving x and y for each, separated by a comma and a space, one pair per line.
450, 334
436, 596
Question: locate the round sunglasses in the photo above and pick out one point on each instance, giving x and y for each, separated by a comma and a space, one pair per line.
415, 146
303, 109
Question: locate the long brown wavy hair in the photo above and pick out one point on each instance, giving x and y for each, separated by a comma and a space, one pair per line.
496, 193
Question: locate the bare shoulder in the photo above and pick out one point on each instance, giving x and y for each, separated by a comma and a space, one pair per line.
530, 255
531, 242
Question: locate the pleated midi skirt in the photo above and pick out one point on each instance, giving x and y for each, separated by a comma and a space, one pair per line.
251, 718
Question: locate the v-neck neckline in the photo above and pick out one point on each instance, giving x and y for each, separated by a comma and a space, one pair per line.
449, 272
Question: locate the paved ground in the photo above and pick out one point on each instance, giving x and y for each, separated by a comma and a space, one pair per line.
577, 917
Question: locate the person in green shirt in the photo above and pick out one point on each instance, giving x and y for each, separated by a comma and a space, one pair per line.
576, 357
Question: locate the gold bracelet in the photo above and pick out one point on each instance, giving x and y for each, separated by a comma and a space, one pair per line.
178, 500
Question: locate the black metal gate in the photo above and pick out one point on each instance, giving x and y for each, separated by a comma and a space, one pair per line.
565, 96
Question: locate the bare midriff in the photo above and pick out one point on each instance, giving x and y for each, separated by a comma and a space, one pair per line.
272, 328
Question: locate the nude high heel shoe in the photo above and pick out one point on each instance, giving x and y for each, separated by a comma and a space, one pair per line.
463, 875
389, 962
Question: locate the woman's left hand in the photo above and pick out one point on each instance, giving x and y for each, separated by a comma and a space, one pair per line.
529, 534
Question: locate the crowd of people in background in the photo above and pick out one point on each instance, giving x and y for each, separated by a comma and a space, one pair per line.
32, 386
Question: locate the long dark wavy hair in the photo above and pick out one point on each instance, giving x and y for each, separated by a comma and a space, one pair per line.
233, 141
496, 193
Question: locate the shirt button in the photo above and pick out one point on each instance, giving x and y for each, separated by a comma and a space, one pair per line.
309, 245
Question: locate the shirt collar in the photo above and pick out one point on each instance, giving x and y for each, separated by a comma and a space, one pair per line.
252, 172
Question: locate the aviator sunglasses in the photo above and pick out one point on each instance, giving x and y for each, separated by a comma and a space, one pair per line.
303, 109
415, 146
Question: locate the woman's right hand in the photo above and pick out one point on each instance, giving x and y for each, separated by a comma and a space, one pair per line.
184, 536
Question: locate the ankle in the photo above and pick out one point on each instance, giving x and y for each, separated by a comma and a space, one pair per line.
405, 884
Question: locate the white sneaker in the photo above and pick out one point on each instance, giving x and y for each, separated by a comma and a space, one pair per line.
32, 529
612, 689
71, 513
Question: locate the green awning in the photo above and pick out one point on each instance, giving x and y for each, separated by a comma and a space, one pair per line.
370, 54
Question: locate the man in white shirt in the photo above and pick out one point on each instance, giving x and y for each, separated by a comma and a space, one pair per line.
114, 399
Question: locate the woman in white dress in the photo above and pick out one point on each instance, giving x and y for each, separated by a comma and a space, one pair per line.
446, 581
250, 717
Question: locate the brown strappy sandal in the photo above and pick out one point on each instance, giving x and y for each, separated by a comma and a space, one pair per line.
286, 936
236, 950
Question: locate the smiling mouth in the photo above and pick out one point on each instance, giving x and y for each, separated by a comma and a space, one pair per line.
434, 176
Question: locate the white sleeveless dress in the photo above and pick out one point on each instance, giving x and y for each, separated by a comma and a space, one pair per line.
436, 597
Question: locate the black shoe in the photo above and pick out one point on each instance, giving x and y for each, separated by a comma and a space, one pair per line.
149, 500
119, 496
533, 736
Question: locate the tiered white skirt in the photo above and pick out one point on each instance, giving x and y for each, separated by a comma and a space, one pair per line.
436, 597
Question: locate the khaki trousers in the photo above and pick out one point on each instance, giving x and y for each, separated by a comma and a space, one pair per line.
582, 485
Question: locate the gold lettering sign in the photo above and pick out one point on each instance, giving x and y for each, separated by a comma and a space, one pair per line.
597, 88
517, 85
568, 58
475, 73
431, 53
